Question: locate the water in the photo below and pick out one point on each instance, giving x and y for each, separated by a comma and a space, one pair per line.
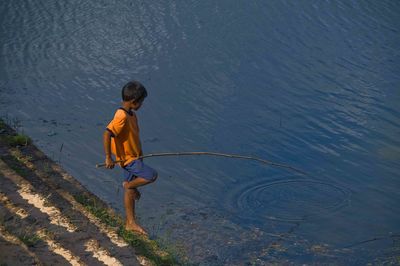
314, 85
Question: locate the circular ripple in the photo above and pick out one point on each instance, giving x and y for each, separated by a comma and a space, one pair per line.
291, 200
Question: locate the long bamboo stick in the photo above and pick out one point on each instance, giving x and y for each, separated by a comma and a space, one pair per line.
220, 155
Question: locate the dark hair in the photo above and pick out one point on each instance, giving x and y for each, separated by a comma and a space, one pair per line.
133, 90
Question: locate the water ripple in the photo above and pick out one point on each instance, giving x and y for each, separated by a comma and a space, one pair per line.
291, 200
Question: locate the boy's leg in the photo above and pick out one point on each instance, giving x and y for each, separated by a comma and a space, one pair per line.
129, 202
138, 171
137, 182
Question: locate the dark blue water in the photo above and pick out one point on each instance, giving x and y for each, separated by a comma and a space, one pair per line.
312, 84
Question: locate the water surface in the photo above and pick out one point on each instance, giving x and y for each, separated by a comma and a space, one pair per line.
314, 85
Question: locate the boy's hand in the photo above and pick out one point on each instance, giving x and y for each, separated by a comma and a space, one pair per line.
109, 163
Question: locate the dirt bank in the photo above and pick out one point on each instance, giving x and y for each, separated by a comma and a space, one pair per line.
48, 218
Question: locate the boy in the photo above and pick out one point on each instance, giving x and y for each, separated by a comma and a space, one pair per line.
121, 137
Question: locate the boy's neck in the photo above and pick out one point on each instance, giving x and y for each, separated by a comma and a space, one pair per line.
127, 106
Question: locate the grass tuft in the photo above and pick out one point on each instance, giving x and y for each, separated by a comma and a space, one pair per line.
16, 165
2, 124
18, 140
96, 210
29, 240
10, 137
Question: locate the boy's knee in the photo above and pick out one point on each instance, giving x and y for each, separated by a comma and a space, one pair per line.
130, 191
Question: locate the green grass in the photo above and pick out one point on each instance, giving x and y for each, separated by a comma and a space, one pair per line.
2, 124
29, 239
18, 140
145, 247
16, 165
10, 136
99, 212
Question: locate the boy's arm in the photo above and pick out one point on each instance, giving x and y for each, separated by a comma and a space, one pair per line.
109, 163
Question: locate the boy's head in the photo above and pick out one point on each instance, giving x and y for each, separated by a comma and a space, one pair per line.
134, 92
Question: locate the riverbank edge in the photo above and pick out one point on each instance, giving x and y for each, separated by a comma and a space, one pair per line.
21, 155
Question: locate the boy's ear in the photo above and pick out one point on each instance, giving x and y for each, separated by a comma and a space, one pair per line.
138, 101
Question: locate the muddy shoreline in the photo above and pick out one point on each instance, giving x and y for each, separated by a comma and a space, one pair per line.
48, 218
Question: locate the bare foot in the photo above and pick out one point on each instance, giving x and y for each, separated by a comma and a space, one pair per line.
135, 228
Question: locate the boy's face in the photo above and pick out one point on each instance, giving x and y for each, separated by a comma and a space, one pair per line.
135, 105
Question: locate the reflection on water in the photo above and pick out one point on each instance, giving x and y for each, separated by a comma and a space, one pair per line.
312, 85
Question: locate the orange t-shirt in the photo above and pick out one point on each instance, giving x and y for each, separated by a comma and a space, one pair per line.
125, 142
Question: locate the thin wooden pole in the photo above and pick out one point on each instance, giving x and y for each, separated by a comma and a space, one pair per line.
103, 164
190, 153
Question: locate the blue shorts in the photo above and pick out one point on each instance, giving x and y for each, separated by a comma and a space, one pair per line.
138, 169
